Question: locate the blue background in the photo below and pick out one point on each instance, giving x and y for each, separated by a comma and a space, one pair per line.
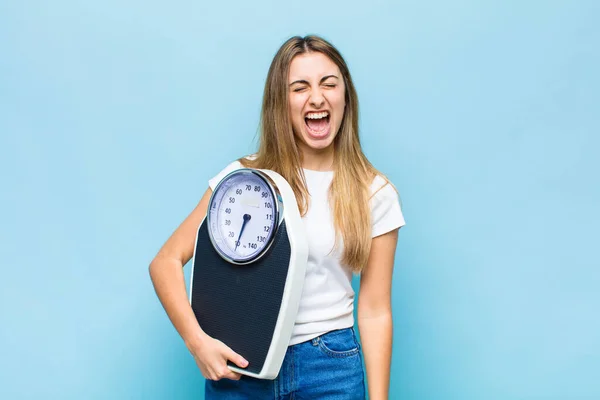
485, 115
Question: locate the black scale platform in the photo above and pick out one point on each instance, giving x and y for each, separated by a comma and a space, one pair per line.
239, 304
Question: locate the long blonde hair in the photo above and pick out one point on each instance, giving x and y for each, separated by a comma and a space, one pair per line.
349, 193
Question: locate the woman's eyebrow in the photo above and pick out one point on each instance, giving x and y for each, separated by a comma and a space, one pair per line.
299, 81
323, 79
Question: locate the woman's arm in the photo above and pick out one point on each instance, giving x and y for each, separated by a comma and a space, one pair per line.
375, 313
166, 272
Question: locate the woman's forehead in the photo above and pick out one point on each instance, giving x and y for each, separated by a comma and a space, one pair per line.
312, 65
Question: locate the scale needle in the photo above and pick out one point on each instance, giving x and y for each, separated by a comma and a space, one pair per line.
247, 218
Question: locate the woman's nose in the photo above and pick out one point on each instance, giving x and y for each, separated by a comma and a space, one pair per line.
316, 99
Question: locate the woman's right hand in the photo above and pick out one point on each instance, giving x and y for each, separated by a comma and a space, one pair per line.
211, 356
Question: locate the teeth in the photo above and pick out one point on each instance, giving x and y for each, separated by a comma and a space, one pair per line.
317, 115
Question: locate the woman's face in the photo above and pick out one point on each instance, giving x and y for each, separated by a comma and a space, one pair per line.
316, 99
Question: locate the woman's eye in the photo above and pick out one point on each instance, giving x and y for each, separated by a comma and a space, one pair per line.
330, 85
299, 89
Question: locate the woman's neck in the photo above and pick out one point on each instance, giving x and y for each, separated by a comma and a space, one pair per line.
317, 160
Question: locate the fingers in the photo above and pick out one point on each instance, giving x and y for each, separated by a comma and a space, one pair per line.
234, 376
223, 372
213, 362
235, 358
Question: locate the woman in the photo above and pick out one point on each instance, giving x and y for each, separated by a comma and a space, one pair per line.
309, 135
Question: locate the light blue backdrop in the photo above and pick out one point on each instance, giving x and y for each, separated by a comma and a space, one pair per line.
485, 115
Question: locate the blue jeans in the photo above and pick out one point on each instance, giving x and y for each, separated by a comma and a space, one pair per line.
328, 367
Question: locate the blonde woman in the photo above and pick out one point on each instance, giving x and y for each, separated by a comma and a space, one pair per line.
309, 135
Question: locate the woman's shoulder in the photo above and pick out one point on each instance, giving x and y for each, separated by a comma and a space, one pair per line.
381, 186
386, 206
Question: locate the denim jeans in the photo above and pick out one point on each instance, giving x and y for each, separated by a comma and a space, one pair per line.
328, 367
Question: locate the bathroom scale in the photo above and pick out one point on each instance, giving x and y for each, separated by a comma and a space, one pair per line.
248, 268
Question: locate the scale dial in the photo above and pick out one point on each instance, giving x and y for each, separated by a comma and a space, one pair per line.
243, 216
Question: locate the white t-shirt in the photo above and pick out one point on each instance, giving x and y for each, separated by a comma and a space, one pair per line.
327, 300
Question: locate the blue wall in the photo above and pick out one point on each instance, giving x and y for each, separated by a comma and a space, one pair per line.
113, 115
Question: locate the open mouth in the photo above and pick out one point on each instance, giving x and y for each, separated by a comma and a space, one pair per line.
317, 123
